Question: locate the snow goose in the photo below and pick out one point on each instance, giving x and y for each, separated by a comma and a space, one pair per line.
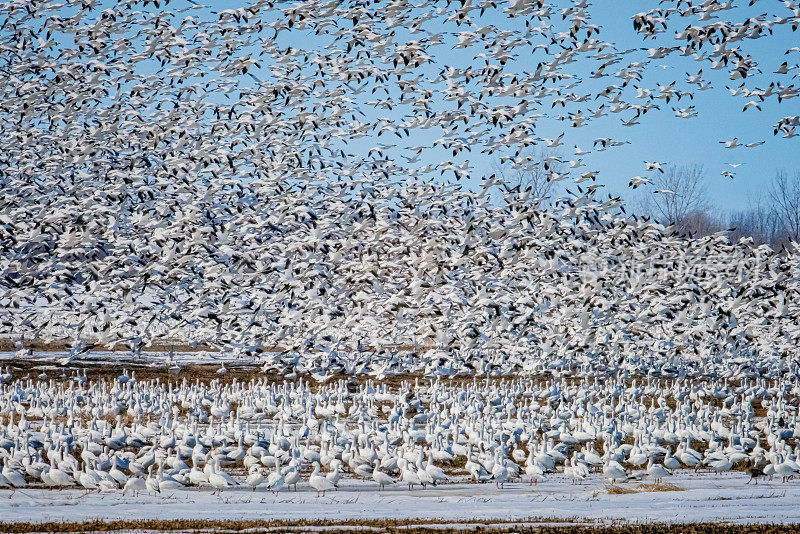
591, 457
424, 477
319, 482
670, 462
34, 465
291, 476
108, 485
362, 470
499, 469
613, 471
151, 482
407, 473
167, 482
637, 456
219, 480
255, 478
545, 459
134, 485
689, 457
786, 469
14, 477
380, 477
58, 477
475, 469
533, 469
436, 472
116, 473
721, 466
657, 471
275, 481
769, 469
197, 476
576, 470
238, 453
335, 475
87, 479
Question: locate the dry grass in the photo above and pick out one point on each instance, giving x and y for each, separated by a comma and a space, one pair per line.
453, 467
658, 487
613, 489
619, 490
457, 463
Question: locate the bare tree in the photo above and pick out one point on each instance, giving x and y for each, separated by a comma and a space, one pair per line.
698, 223
784, 196
679, 191
759, 221
679, 198
530, 171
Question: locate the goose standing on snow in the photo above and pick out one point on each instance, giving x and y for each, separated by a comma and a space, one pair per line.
380, 477
218, 479
275, 481
499, 470
151, 482
319, 482
407, 474
291, 476
134, 485
613, 471
255, 478
657, 471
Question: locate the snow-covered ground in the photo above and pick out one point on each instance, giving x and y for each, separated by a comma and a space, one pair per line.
289, 427
705, 497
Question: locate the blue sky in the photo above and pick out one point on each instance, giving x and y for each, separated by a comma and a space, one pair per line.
661, 136
667, 138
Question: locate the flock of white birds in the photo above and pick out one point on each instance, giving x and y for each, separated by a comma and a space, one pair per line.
291, 185
260, 179
136, 436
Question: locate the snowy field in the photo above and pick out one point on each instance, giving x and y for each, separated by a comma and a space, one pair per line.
705, 497
356, 265
106, 433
